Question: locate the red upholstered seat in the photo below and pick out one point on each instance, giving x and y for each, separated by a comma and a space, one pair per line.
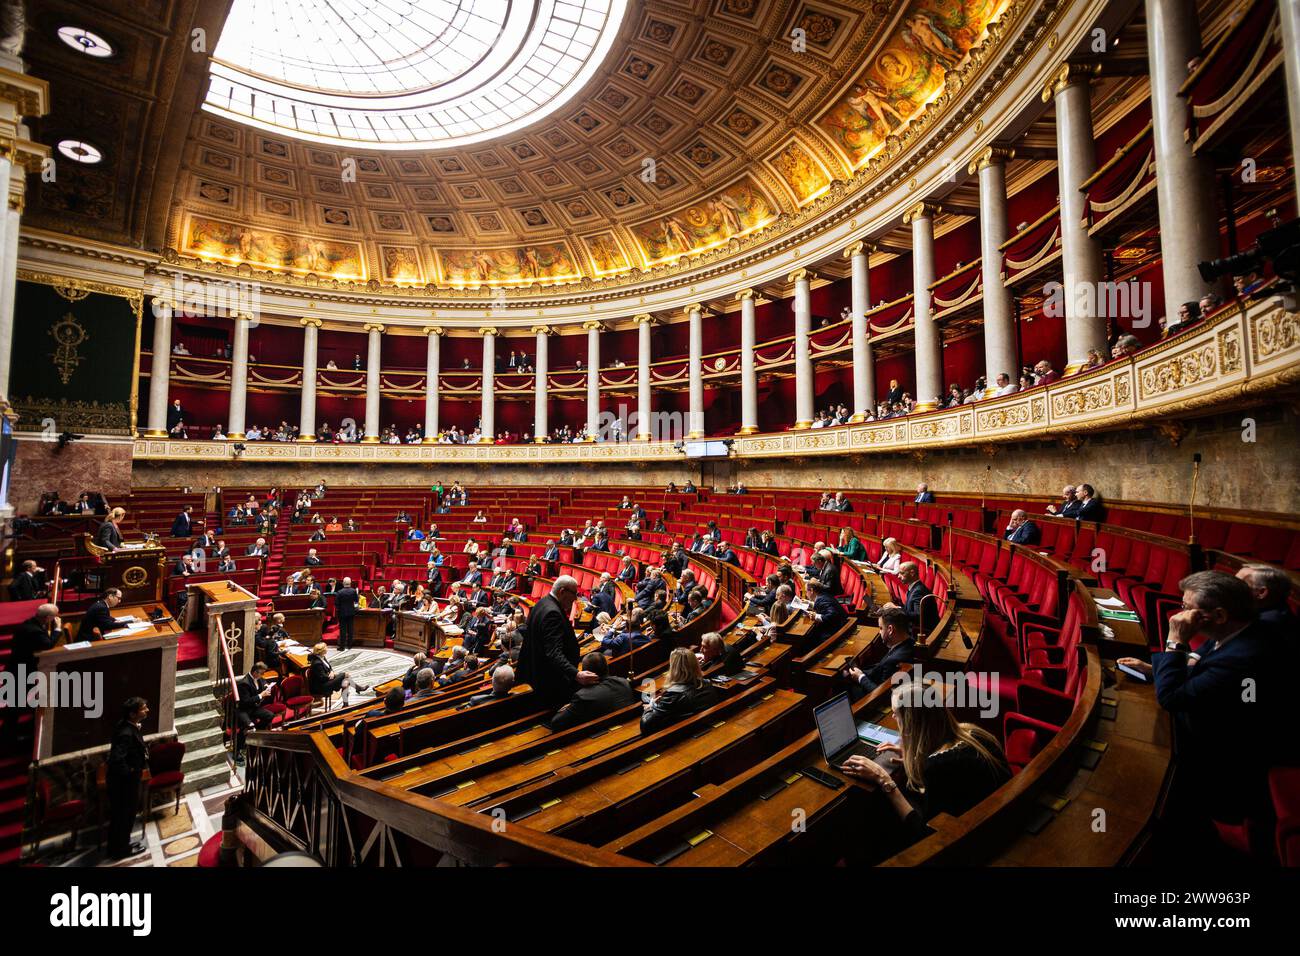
165, 770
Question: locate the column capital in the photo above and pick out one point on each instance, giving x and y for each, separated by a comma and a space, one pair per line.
592, 325
922, 210
990, 156
374, 327
542, 330
645, 318
802, 275
859, 248
745, 294
693, 307
243, 316
310, 321
487, 330
1067, 74
433, 330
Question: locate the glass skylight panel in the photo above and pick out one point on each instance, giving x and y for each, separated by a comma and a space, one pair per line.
406, 73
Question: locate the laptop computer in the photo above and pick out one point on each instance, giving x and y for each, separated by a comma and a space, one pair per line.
838, 732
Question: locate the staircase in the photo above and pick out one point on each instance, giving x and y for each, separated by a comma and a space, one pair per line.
198, 726
269, 586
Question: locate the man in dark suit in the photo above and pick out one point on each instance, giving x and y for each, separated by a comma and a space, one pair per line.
313, 560
38, 633
910, 575
602, 599
181, 526
175, 414
1020, 530
1069, 505
252, 691
1271, 588
552, 552
1090, 506
924, 496
900, 649
99, 615
548, 660
258, 549
127, 756
828, 614
826, 572
606, 695
28, 584
434, 581
345, 609
267, 640
1221, 697
503, 679
109, 534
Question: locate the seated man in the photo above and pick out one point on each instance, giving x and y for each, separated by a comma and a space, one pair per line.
503, 679
900, 649
424, 684
313, 560
258, 549
252, 692
828, 614
605, 696
1020, 530
419, 661
267, 639
910, 575
1220, 701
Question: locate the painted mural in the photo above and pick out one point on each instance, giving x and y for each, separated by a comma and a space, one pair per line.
270, 249
606, 254
734, 211
400, 264
805, 176
543, 262
932, 39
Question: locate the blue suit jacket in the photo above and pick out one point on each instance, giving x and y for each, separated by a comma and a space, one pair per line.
1027, 533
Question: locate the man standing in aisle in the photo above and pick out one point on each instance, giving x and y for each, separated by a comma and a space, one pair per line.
345, 606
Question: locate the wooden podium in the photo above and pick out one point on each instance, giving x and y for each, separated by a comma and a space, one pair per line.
139, 571
103, 675
417, 633
369, 628
236, 609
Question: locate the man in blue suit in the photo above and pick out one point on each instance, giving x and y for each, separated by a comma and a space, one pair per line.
900, 649
1020, 530
924, 496
181, 526
917, 592
1226, 715
828, 614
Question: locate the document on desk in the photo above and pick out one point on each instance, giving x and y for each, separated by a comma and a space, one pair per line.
1110, 602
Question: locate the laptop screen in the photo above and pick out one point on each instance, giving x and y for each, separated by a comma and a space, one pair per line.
835, 725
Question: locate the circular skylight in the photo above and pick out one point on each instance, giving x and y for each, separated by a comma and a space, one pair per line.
88, 43
81, 152
405, 74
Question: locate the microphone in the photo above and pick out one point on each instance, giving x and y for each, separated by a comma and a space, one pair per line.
1191, 503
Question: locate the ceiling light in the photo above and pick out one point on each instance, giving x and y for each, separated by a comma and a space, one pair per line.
88, 43
80, 152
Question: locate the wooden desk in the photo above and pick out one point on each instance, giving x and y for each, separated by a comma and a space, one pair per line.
1130, 637
141, 664
370, 627
236, 609
417, 633
304, 626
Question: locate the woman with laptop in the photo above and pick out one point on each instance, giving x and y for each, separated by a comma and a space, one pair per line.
948, 766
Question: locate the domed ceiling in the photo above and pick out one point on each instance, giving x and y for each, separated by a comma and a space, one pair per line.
702, 123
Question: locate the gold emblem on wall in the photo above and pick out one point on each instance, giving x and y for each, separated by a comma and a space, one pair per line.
135, 576
69, 334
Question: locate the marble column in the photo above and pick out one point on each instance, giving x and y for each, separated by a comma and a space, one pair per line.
1185, 186
374, 359
929, 345
593, 378
1289, 11
999, 314
541, 394
1081, 262
160, 370
487, 418
803, 364
307, 407
864, 363
644, 411
20, 96
695, 413
432, 372
748, 376
239, 378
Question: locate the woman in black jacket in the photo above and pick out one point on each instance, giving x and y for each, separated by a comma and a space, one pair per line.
948, 766
686, 693
321, 679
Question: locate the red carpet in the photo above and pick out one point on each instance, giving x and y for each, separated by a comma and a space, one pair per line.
191, 650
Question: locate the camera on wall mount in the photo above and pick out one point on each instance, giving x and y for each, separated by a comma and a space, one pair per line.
238, 448
1279, 245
